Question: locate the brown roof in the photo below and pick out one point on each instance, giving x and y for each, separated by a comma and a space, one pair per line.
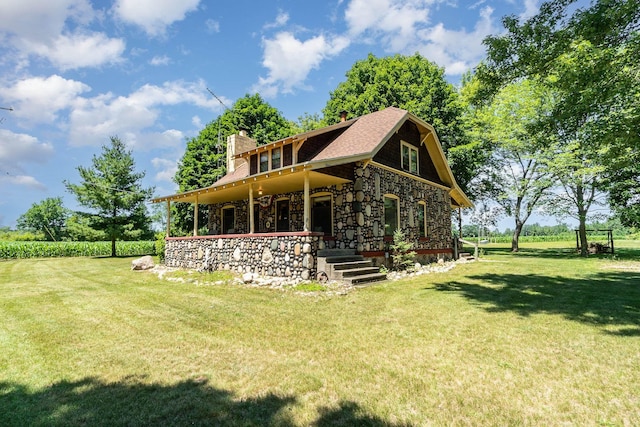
365, 135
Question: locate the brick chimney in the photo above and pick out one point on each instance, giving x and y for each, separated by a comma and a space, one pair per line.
236, 144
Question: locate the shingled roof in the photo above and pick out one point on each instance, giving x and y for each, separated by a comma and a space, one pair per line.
363, 137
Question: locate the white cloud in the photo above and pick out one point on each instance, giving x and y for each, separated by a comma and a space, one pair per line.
285, 49
39, 21
213, 26
167, 169
34, 27
39, 99
18, 149
160, 60
280, 21
393, 21
68, 52
197, 122
530, 9
134, 117
154, 16
457, 51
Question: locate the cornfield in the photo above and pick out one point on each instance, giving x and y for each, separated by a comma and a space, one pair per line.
10, 249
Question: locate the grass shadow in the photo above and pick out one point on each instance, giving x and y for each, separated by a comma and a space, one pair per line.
605, 298
92, 402
130, 402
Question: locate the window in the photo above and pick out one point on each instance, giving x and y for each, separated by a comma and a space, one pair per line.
391, 214
228, 220
264, 161
422, 219
321, 214
282, 215
276, 154
409, 157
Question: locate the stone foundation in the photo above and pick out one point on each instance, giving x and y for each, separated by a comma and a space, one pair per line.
291, 255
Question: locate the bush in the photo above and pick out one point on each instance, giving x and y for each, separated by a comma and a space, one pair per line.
160, 245
403, 257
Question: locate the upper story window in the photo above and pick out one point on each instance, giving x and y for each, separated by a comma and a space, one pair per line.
264, 161
276, 156
409, 157
267, 160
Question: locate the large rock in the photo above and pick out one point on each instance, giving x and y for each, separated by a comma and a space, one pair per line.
144, 263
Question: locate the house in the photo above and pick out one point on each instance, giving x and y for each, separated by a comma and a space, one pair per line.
287, 208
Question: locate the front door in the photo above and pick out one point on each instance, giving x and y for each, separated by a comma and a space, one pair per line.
282, 215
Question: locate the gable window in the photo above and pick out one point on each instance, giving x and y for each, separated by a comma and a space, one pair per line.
264, 161
422, 219
391, 214
409, 157
228, 220
276, 155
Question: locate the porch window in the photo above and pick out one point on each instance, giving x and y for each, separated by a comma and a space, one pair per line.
276, 155
409, 157
321, 214
391, 214
422, 219
228, 219
264, 161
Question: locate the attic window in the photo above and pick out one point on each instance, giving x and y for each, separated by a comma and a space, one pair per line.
409, 157
264, 161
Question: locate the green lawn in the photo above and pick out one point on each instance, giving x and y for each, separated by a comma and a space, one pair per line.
537, 338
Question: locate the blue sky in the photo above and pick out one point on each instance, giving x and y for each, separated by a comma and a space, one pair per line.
76, 72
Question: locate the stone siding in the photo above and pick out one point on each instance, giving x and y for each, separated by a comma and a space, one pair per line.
358, 214
279, 255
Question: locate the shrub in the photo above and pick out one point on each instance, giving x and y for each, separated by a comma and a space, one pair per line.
160, 245
403, 257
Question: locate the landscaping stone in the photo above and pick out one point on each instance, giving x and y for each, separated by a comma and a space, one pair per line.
144, 263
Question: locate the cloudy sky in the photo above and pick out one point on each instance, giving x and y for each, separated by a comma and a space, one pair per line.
78, 71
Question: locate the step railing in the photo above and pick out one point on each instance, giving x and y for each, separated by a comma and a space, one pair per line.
475, 246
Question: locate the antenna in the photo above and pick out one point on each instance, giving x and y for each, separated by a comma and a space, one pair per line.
219, 147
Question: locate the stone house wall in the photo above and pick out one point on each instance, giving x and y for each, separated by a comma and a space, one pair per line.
358, 213
274, 254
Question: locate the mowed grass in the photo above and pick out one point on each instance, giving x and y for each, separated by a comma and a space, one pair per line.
542, 337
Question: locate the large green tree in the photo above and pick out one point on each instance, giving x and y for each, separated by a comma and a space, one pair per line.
415, 84
590, 59
112, 191
49, 217
521, 151
204, 160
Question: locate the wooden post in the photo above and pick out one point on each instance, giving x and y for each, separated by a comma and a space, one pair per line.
195, 217
251, 213
168, 218
307, 203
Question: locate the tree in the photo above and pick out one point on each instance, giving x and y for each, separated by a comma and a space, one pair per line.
204, 161
521, 150
590, 60
417, 85
49, 216
111, 189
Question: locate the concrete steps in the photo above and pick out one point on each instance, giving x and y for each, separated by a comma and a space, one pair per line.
346, 266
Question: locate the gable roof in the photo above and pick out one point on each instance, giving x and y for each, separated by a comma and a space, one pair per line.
363, 137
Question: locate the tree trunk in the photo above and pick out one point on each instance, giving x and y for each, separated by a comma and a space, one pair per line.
113, 247
582, 222
516, 237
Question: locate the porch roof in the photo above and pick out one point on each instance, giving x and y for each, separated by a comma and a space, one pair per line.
285, 180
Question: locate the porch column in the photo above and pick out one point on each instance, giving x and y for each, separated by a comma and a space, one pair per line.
307, 204
168, 217
195, 217
251, 216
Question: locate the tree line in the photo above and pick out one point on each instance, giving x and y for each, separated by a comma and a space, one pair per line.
548, 122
